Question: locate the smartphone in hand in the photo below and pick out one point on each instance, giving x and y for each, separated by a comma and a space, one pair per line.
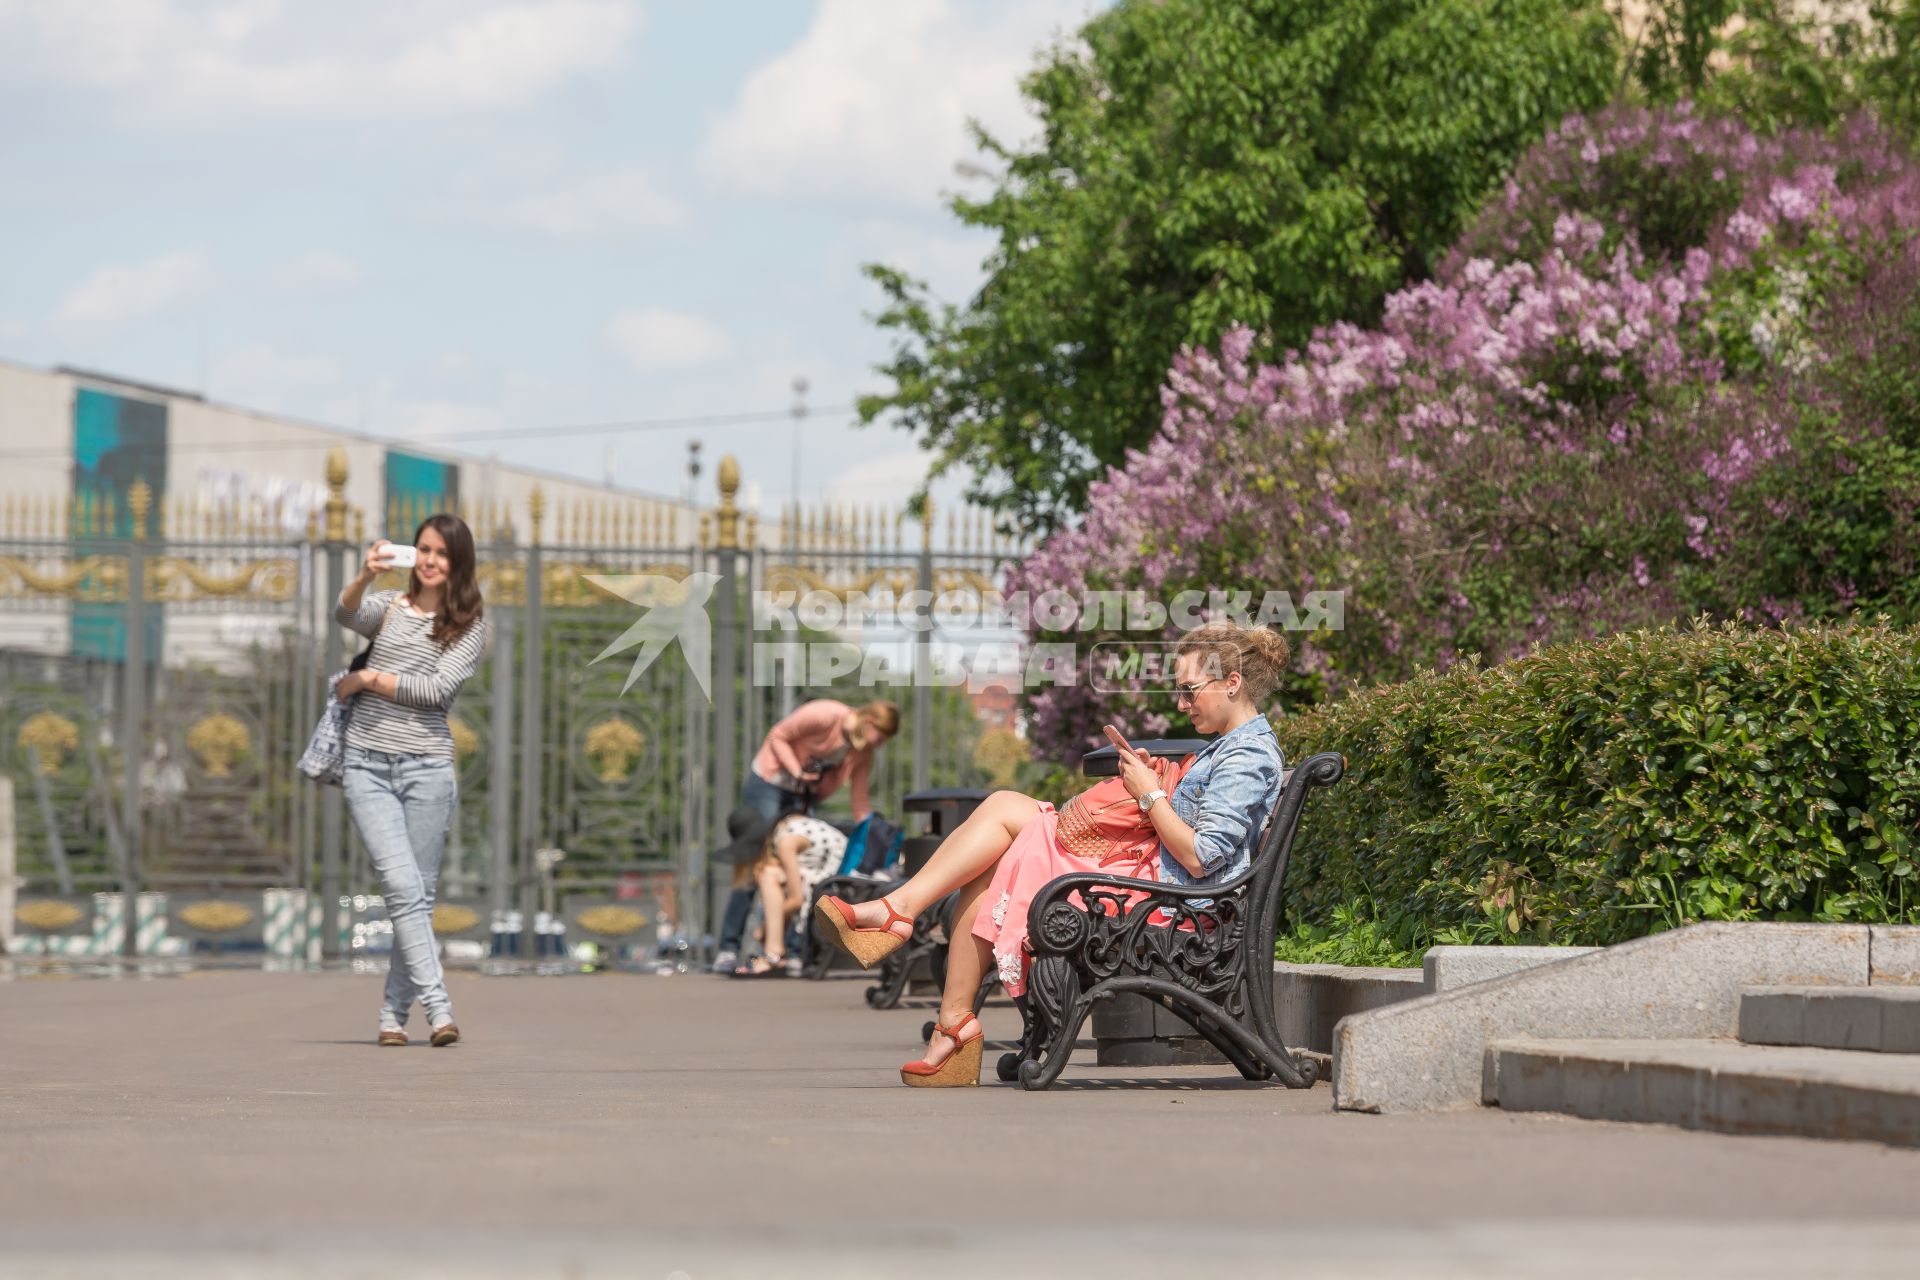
401, 556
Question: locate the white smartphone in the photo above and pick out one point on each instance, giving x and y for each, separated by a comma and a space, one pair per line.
401, 556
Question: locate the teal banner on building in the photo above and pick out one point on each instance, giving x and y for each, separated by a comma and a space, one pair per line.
116, 441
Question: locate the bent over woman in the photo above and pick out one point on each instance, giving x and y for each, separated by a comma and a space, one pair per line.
399, 769
1012, 845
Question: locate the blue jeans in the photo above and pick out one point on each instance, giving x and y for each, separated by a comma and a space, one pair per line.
772, 803
402, 805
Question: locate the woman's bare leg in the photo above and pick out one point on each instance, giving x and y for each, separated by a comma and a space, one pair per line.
967, 961
967, 854
773, 906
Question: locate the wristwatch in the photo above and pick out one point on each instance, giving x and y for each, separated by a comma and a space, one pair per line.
1146, 802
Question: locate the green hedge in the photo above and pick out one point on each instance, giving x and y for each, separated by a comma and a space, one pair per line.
1594, 792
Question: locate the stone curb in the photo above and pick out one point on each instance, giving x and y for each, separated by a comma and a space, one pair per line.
1426, 1054
1711, 1084
1448, 967
1310, 999
1895, 958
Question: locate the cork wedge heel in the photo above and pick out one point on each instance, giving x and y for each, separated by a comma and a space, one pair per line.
959, 1069
868, 946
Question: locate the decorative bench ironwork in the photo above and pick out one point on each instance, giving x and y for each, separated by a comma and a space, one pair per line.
1204, 952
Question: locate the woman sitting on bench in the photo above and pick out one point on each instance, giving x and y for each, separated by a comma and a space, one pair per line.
1013, 845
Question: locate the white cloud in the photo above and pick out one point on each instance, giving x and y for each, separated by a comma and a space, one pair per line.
610, 203
653, 340
115, 296
315, 274
243, 59
872, 103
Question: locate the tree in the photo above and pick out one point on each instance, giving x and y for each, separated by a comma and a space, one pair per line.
1205, 163
1779, 64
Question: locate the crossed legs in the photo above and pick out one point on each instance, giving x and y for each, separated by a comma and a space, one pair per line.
965, 861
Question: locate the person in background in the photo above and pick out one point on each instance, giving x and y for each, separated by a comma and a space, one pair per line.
798, 854
398, 773
804, 759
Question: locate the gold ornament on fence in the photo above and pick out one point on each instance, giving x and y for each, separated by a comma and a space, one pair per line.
611, 921
219, 741
46, 915
51, 738
1001, 752
569, 583
614, 746
214, 916
465, 740
88, 577
800, 580
179, 578
451, 919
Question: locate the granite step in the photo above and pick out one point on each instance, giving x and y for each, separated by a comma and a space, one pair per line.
1873, 1019
1719, 1085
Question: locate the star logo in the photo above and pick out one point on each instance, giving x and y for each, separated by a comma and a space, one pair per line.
675, 609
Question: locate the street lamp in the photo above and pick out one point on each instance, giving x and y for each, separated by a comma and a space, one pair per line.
799, 420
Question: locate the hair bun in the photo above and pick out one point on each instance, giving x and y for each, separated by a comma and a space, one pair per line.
1270, 644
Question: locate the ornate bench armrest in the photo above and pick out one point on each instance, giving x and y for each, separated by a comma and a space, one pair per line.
1056, 924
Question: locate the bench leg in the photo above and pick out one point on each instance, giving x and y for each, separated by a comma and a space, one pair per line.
1053, 993
1255, 1058
894, 970
1249, 1066
1008, 1068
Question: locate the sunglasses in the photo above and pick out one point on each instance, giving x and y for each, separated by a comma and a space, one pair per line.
1186, 692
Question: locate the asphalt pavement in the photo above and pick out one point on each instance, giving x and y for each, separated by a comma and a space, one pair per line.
240, 1123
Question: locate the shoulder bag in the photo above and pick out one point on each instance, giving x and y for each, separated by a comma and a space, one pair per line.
325, 758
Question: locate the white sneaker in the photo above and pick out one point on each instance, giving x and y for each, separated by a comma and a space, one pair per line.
725, 962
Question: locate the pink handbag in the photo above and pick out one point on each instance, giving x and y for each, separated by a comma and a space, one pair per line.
1104, 824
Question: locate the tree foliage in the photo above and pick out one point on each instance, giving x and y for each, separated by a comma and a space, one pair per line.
1275, 164
1668, 371
1780, 64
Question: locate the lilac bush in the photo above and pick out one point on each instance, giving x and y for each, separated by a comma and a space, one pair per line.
1580, 425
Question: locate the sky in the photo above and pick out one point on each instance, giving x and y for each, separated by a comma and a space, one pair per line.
434, 219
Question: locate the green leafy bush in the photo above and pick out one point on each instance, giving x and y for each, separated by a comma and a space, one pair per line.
1594, 792
1351, 937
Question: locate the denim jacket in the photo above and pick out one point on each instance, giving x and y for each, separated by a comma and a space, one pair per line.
1226, 797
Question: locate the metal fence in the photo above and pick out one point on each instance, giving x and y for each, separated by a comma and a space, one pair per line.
152, 752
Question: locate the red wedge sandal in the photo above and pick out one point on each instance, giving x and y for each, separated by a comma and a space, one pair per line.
960, 1069
868, 946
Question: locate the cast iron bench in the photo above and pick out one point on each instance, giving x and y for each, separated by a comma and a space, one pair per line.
1203, 952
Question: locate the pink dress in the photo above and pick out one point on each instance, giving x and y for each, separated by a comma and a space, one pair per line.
1035, 857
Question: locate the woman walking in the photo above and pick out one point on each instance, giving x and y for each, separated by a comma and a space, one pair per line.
399, 769
1013, 845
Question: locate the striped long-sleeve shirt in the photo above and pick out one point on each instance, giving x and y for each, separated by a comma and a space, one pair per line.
414, 720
